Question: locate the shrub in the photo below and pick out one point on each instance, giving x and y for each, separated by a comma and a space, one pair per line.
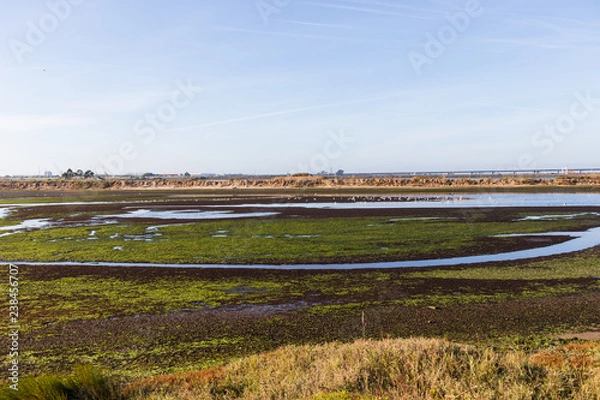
86, 383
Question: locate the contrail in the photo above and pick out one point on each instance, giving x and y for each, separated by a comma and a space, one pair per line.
282, 112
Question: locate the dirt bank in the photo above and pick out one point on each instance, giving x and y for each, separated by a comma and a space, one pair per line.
297, 182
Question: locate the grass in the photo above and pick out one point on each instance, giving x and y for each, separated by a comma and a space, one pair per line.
400, 369
278, 241
85, 383
581, 265
414, 368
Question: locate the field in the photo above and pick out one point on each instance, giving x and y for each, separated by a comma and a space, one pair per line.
141, 322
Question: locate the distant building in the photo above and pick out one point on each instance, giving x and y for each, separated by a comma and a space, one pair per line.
565, 171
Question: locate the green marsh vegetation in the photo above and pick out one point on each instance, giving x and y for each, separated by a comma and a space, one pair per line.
280, 241
89, 295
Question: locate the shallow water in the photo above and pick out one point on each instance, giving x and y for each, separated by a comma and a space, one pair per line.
580, 241
557, 217
28, 224
4, 212
189, 214
456, 201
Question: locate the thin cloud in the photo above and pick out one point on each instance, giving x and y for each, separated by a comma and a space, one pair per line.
38, 123
559, 24
86, 64
542, 44
124, 102
392, 5
366, 10
298, 35
545, 33
283, 112
565, 35
528, 22
321, 25
66, 65
307, 36
444, 4
523, 109
574, 21
22, 69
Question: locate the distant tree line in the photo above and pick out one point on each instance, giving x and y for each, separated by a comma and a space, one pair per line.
70, 174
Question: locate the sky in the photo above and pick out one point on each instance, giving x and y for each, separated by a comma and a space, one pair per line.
285, 86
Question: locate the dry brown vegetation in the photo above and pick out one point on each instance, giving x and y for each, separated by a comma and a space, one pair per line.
295, 182
413, 368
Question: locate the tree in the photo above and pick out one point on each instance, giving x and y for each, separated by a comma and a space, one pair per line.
68, 174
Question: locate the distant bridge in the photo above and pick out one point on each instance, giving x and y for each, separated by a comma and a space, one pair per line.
544, 172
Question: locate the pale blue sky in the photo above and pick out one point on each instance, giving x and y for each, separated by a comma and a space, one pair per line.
277, 86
